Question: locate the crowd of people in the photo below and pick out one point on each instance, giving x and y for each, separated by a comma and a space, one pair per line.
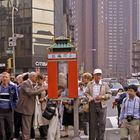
23, 100
22, 103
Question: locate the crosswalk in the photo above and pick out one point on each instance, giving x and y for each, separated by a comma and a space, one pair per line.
111, 124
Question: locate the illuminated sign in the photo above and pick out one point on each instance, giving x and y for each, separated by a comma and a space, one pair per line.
40, 64
2, 65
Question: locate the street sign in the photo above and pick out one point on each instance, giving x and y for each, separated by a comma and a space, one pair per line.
12, 41
9, 51
18, 35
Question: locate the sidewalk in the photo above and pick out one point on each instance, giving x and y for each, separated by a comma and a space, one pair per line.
70, 133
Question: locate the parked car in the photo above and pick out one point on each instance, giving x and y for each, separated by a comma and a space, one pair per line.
114, 87
109, 80
133, 82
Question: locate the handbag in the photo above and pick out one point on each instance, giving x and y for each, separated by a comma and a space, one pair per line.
84, 105
49, 111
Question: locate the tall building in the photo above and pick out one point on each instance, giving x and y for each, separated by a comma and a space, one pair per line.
103, 33
79, 17
35, 21
138, 26
118, 37
135, 19
136, 57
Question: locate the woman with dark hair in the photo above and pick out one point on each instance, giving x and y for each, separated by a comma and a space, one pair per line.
119, 99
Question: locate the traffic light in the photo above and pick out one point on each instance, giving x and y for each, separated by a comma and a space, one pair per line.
12, 41
10, 63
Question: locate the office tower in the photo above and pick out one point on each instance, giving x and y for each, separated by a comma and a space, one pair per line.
103, 34
35, 21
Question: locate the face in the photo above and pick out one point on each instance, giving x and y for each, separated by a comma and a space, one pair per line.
81, 86
97, 77
5, 79
19, 79
34, 78
131, 93
85, 80
120, 90
39, 81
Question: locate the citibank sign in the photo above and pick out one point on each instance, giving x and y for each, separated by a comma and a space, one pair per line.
40, 64
2, 65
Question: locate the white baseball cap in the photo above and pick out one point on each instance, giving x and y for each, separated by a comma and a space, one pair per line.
97, 71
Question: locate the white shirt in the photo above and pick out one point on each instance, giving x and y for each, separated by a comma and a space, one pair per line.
96, 89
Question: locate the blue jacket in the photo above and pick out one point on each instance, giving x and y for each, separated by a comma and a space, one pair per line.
122, 96
12, 90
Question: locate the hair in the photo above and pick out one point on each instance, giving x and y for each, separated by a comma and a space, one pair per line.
81, 83
31, 74
40, 77
87, 75
125, 88
120, 89
5, 73
134, 87
25, 76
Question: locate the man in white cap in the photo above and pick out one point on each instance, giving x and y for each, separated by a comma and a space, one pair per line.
98, 93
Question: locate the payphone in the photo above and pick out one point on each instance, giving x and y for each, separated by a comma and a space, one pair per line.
62, 69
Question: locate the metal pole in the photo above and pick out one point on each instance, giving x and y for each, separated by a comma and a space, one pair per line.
13, 35
76, 120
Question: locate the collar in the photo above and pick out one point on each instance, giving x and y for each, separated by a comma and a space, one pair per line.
131, 99
100, 83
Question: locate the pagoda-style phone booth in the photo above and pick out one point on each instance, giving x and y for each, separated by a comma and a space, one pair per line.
62, 69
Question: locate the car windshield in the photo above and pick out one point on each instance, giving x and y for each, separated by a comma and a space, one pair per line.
115, 85
133, 81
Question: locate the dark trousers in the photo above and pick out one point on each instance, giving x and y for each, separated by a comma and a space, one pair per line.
17, 124
43, 130
97, 121
119, 111
32, 134
83, 121
6, 125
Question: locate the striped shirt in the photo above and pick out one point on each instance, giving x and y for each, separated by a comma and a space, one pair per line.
130, 107
96, 89
4, 98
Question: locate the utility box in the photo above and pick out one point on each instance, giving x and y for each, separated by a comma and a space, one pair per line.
62, 69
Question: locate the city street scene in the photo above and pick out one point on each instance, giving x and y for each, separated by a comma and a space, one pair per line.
69, 69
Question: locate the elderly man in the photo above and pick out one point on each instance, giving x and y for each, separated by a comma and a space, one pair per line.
8, 97
98, 93
26, 103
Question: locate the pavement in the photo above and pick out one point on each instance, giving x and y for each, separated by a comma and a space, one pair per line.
110, 133
70, 133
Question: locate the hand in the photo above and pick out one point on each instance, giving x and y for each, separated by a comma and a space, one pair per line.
45, 87
42, 99
99, 98
114, 104
90, 98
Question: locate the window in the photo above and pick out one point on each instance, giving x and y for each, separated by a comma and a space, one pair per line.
43, 16
46, 4
42, 27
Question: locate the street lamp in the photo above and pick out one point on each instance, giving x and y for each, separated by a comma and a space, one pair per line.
13, 36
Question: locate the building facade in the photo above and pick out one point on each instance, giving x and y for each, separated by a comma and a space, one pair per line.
136, 57
79, 15
103, 31
35, 21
